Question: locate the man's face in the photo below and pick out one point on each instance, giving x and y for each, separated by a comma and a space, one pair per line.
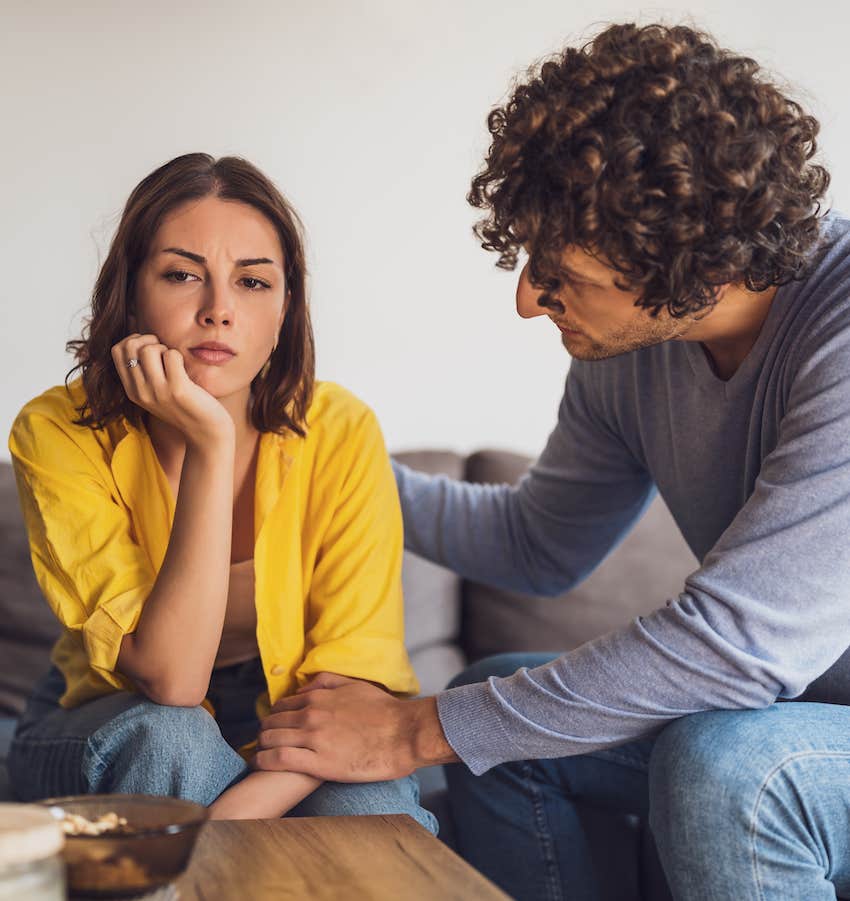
596, 319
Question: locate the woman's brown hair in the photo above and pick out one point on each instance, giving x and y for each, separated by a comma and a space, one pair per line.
677, 162
282, 394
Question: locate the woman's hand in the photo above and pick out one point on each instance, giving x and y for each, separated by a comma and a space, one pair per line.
160, 385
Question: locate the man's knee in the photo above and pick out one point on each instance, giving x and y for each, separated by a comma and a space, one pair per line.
711, 764
498, 665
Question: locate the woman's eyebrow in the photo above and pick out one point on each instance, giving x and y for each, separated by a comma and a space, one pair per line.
254, 261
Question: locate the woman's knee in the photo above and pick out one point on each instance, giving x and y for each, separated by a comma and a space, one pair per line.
498, 665
48, 755
157, 729
156, 749
399, 796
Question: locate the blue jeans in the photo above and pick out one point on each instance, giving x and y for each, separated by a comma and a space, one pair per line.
125, 743
743, 805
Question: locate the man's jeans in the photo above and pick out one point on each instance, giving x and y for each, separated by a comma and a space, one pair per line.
123, 742
743, 805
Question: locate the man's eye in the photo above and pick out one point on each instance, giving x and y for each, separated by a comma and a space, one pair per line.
254, 284
179, 276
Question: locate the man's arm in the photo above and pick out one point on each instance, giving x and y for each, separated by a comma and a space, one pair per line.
764, 615
548, 532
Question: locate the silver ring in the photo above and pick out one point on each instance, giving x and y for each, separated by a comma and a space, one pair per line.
132, 363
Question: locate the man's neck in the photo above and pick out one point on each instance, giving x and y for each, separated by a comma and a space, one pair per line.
730, 330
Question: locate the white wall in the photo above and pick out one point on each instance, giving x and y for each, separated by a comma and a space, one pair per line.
370, 116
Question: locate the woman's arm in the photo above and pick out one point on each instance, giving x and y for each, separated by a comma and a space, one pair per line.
263, 796
155, 631
355, 623
171, 653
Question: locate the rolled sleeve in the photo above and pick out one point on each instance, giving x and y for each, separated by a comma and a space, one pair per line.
104, 630
89, 566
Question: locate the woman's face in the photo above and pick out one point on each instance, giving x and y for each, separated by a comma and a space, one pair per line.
213, 287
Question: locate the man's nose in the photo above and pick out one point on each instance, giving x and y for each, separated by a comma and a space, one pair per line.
531, 301
527, 296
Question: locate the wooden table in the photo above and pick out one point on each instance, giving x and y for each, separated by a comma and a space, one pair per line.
319, 858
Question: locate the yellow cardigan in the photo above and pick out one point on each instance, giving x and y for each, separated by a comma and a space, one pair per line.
327, 555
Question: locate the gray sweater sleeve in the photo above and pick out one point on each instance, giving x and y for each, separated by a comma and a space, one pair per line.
764, 615
545, 534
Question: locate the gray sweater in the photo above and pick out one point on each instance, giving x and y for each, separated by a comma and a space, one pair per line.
756, 472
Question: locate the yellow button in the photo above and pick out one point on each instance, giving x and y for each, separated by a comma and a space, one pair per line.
278, 670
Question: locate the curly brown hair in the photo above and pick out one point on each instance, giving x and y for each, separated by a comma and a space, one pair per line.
281, 394
675, 161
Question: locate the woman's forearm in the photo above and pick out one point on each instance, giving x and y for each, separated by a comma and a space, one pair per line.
263, 796
171, 653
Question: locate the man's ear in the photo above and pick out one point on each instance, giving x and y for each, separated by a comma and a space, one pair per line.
719, 295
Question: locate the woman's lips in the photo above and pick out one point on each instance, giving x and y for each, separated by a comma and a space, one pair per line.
210, 356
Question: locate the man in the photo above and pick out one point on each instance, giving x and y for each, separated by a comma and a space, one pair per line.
663, 191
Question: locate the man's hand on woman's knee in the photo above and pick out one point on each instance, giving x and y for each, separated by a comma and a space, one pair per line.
348, 730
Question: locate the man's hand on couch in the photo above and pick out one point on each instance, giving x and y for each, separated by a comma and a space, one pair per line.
347, 730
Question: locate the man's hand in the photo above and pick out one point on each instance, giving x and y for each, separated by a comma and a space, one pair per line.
347, 730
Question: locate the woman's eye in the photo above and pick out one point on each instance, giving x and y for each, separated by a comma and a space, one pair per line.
182, 277
179, 276
254, 284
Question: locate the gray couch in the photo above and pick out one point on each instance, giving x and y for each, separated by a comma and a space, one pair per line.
449, 623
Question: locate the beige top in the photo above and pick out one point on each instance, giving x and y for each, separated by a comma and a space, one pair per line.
239, 633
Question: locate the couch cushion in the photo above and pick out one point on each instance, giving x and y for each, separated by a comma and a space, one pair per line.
431, 603
436, 665
432, 594
646, 569
27, 625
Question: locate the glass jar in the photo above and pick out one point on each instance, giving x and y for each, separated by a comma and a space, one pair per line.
31, 866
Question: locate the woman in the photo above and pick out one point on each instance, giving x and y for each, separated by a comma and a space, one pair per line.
210, 527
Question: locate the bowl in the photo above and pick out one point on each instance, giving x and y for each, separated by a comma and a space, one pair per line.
152, 850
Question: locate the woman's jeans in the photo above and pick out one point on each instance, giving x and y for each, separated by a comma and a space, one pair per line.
743, 805
125, 743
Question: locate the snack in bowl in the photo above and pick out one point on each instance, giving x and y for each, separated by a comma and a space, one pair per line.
122, 845
74, 824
